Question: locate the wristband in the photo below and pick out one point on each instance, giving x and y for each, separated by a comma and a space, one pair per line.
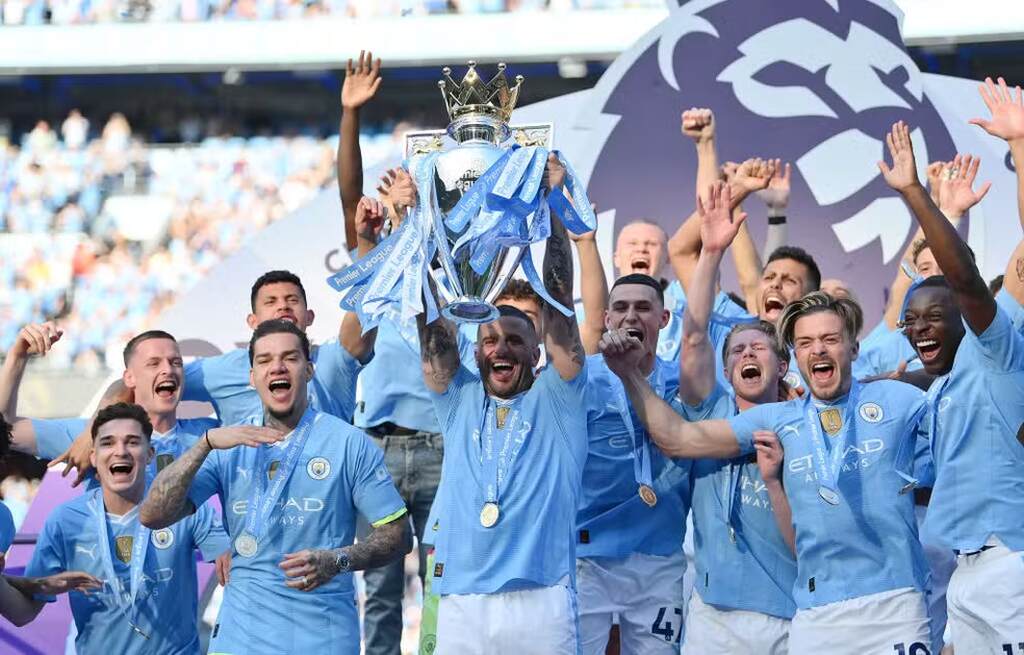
206, 435
777, 220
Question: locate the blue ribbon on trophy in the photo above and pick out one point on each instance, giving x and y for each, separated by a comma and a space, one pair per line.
468, 249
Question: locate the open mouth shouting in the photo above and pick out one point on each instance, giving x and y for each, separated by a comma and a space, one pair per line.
503, 371
773, 305
166, 388
280, 389
928, 350
636, 333
823, 372
751, 373
121, 471
640, 265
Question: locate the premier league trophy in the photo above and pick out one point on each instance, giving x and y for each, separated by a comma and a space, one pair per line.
481, 204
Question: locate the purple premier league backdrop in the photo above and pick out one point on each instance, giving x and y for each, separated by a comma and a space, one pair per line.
813, 82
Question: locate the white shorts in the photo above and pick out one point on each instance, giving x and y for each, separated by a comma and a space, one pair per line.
888, 623
530, 622
645, 591
690, 577
986, 602
711, 631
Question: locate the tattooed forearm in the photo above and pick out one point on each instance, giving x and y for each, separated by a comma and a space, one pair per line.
383, 546
558, 271
167, 501
439, 352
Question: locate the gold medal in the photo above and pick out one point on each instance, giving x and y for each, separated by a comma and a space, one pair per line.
647, 495
500, 414
831, 420
489, 515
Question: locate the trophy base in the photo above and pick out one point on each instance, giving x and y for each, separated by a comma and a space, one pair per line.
470, 310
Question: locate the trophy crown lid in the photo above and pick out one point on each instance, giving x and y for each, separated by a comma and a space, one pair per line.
474, 96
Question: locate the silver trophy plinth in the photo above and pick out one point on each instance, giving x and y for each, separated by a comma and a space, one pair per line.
481, 135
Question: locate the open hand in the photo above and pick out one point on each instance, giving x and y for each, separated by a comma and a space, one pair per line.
1007, 111
956, 194
65, 581
776, 195
717, 227
242, 435
76, 457
361, 81
903, 173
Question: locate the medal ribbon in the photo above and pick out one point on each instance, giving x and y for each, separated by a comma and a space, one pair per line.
641, 441
140, 543
828, 464
494, 466
263, 498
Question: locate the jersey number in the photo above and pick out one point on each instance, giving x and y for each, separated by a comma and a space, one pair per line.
1008, 648
916, 648
665, 630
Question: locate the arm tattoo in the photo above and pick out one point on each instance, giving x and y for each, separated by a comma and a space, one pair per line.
167, 501
1020, 269
439, 349
558, 264
383, 546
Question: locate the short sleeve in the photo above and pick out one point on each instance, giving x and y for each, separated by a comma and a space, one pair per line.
337, 370
718, 404
207, 481
195, 381
1012, 307
208, 534
459, 391
373, 491
1002, 345
54, 436
48, 558
7, 529
746, 423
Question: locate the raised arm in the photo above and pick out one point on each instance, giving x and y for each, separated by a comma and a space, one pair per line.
369, 220
33, 339
673, 436
718, 229
562, 341
954, 258
361, 83
769, 462
78, 453
750, 176
308, 569
593, 289
167, 501
776, 200
1007, 123
684, 246
439, 352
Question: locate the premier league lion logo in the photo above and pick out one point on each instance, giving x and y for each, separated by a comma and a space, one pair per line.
814, 82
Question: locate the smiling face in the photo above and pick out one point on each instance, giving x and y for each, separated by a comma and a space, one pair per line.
120, 453
637, 309
506, 353
280, 373
933, 325
783, 281
155, 373
925, 263
640, 249
753, 368
824, 353
281, 300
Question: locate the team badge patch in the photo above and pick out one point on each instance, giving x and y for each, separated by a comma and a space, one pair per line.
163, 460
831, 420
272, 469
318, 468
793, 380
871, 412
123, 546
163, 539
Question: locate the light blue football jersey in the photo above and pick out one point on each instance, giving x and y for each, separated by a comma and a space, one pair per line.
166, 607
742, 561
977, 414
867, 543
54, 436
223, 381
882, 351
725, 314
612, 520
533, 542
7, 529
1012, 308
340, 471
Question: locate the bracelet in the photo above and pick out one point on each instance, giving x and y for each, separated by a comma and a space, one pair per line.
206, 435
777, 220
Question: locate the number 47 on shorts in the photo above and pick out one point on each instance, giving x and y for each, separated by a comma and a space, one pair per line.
664, 627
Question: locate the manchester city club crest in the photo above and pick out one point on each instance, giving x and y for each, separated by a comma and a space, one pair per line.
318, 468
871, 412
163, 539
123, 546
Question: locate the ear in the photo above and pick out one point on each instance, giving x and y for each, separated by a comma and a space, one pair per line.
855, 351
250, 320
309, 371
128, 378
309, 317
607, 326
783, 367
252, 378
535, 357
666, 316
149, 454
92, 455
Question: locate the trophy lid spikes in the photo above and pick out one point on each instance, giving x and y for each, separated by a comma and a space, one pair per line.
472, 96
